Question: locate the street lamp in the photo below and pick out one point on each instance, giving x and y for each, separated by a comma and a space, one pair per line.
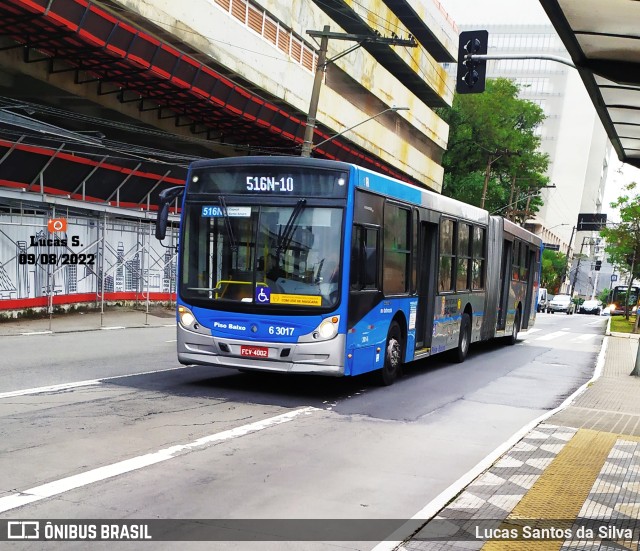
355, 125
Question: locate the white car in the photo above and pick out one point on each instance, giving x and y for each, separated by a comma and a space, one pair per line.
561, 303
591, 307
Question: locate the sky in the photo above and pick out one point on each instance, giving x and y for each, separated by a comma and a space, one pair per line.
495, 11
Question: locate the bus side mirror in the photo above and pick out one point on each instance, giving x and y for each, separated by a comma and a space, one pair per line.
166, 197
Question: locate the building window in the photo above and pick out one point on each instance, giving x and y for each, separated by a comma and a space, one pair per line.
256, 19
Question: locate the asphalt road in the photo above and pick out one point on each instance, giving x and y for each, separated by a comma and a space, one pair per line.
138, 436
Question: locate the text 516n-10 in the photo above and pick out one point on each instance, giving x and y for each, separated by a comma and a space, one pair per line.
54, 259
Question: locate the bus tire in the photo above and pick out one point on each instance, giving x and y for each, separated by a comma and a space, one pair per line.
392, 356
464, 340
513, 338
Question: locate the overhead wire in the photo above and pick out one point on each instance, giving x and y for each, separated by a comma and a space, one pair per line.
135, 129
124, 148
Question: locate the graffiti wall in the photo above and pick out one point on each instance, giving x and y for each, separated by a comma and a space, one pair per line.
53, 261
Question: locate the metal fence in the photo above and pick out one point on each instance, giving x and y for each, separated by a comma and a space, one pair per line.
55, 261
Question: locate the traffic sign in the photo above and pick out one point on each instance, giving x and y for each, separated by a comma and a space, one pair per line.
614, 277
591, 221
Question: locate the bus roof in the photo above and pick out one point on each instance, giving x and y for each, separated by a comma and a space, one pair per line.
387, 185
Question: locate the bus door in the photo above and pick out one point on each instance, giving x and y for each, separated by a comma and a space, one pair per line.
505, 284
531, 266
427, 265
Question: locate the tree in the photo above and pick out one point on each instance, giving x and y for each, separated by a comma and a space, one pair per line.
495, 131
623, 239
553, 265
603, 296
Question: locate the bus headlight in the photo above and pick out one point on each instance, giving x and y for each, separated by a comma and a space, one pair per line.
327, 329
187, 319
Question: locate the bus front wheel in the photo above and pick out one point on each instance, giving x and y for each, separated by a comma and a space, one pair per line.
392, 356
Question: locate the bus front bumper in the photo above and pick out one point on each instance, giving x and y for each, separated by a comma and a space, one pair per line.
325, 357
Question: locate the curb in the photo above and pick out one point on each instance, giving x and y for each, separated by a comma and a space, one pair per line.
66, 331
431, 509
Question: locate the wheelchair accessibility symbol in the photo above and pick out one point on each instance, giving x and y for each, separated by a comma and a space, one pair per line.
263, 295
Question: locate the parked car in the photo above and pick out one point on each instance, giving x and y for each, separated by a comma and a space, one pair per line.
543, 299
591, 307
561, 303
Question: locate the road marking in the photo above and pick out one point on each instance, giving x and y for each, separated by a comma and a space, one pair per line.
135, 463
77, 384
174, 340
580, 461
431, 509
51, 388
585, 337
113, 327
551, 336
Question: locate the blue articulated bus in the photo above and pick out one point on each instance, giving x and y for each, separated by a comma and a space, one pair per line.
313, 266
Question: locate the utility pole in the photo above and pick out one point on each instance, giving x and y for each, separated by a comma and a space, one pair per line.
493, 157
509, 212
487, 173
315, 93
585, 239
323, 62
566, 264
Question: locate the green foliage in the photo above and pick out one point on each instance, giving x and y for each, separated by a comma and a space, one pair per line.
499, 128
623, 239
603, 296
622, 325
553, 266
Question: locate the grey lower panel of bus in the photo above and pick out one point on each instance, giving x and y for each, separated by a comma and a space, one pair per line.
325, 357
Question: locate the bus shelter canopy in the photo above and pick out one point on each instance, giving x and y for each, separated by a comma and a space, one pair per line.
603, 39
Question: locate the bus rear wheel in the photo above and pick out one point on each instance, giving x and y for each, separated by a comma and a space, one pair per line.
512, 339
392, 356
464, 340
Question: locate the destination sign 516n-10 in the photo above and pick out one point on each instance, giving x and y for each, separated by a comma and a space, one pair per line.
269, 183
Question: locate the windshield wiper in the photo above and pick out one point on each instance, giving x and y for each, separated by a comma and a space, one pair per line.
284, 239
227, 225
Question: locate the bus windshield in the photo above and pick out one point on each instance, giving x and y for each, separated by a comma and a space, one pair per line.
265, 255
618, 296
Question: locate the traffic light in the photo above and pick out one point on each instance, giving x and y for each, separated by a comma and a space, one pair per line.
471, 74
598, 265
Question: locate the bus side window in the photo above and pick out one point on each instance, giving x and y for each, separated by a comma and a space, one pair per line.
364, 259
515, 261
445, 270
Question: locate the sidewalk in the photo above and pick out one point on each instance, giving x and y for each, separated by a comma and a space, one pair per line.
115, 317
578, 468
